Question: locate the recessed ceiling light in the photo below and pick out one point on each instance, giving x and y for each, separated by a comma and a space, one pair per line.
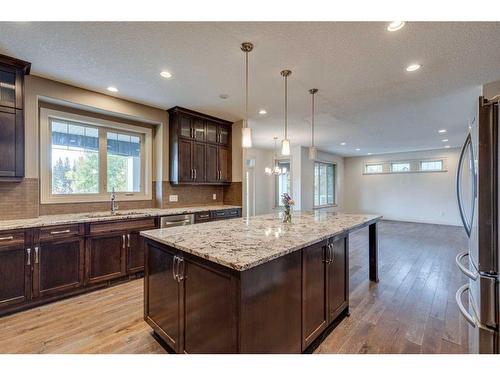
112, 89
396, 25
262, 112
444, 140
343, 143
223, 96
166, 74
442, 131
369, 153
447, 146
358, 149
413, 67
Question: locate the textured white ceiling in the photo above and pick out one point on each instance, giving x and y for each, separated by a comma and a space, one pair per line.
366, 98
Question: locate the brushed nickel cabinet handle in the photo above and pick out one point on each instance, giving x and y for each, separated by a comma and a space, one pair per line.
124, 242
36, 254
174, 276
28, 252
195, 173
6, 238
128, 240
59, 231
180, 275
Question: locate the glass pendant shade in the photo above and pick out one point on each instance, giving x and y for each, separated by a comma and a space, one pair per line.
313, 152
285, 147
246, 137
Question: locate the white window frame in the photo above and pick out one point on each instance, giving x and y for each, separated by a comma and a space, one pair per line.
334, 204
400, 162
431, 161
415, 166
146, 134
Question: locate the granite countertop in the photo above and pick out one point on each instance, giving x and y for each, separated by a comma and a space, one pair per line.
244, 243
87, 217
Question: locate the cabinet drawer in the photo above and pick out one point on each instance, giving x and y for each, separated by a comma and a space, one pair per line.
60, 231
202, 216
10, 239
219, 214
124, 225
233, 212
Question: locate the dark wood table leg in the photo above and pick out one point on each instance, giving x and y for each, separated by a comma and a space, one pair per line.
373, 249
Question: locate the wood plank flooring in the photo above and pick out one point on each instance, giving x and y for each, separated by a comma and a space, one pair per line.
411, 310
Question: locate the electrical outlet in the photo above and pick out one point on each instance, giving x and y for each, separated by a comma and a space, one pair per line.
214, 197
173, 198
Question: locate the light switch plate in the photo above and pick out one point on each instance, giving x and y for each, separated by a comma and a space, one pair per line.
173, 198
214, 197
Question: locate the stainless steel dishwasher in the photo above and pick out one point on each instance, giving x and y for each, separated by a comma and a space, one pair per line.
176, 220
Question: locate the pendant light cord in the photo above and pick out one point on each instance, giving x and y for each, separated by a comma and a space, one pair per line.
286, 107
312, 123
246, 89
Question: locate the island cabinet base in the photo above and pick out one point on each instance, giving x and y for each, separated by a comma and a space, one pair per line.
197, 306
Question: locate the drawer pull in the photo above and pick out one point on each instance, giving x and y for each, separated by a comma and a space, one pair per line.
36, 254
128, 240
204, 216
6, 238
59, 231
28, 253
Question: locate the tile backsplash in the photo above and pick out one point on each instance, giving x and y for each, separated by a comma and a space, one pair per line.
20, 200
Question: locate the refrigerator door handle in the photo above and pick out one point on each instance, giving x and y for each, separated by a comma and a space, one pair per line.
458, 297
467, 272
466, 224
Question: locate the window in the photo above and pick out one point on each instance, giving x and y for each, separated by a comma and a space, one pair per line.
432, 165
374, 168
87, 158
283, 182
324, 184
400, 167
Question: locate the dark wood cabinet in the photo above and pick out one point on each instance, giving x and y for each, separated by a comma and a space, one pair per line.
162, 294
314, 292
338, 278
185, 301
105, 257
200, 148
136, 247
12, 72
15, 269
58, 262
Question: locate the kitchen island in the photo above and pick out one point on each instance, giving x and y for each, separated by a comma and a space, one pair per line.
251, 285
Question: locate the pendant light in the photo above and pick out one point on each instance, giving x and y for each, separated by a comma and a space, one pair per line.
285, 143
312, 150
275, 170
246, 132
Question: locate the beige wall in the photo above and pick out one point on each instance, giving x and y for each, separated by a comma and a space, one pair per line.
491, 89
37, 88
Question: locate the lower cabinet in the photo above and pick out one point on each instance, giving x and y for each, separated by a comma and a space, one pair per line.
187, 304
58, 266
325, 286
15, 269
106, 257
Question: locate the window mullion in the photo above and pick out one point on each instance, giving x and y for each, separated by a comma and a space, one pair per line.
103, 161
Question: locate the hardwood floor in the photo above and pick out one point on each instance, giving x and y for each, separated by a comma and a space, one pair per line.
411, 310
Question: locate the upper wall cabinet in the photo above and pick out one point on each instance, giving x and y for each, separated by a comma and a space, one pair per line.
12, 72
200, 148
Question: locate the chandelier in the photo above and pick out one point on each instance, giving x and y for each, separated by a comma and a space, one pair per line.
275, 170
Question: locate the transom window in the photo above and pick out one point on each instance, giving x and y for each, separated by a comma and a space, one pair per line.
432, 165
324, 184
374, 168
400, 167
83, 159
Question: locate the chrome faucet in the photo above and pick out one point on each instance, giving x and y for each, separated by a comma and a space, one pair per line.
114, 206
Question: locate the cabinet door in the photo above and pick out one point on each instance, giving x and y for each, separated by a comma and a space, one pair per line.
199, 162
15, 275
209, 310
162, 294
212, 170
185, 126
106, 257
211, 131
338, 282
185, 161
314, 293
8, 142
224, 164
8, 87
58, 266
198, 129
224, 134
135, 250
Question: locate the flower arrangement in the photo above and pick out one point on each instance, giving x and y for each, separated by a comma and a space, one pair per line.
288, 202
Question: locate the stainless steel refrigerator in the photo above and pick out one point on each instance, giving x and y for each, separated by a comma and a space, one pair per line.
477, 194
